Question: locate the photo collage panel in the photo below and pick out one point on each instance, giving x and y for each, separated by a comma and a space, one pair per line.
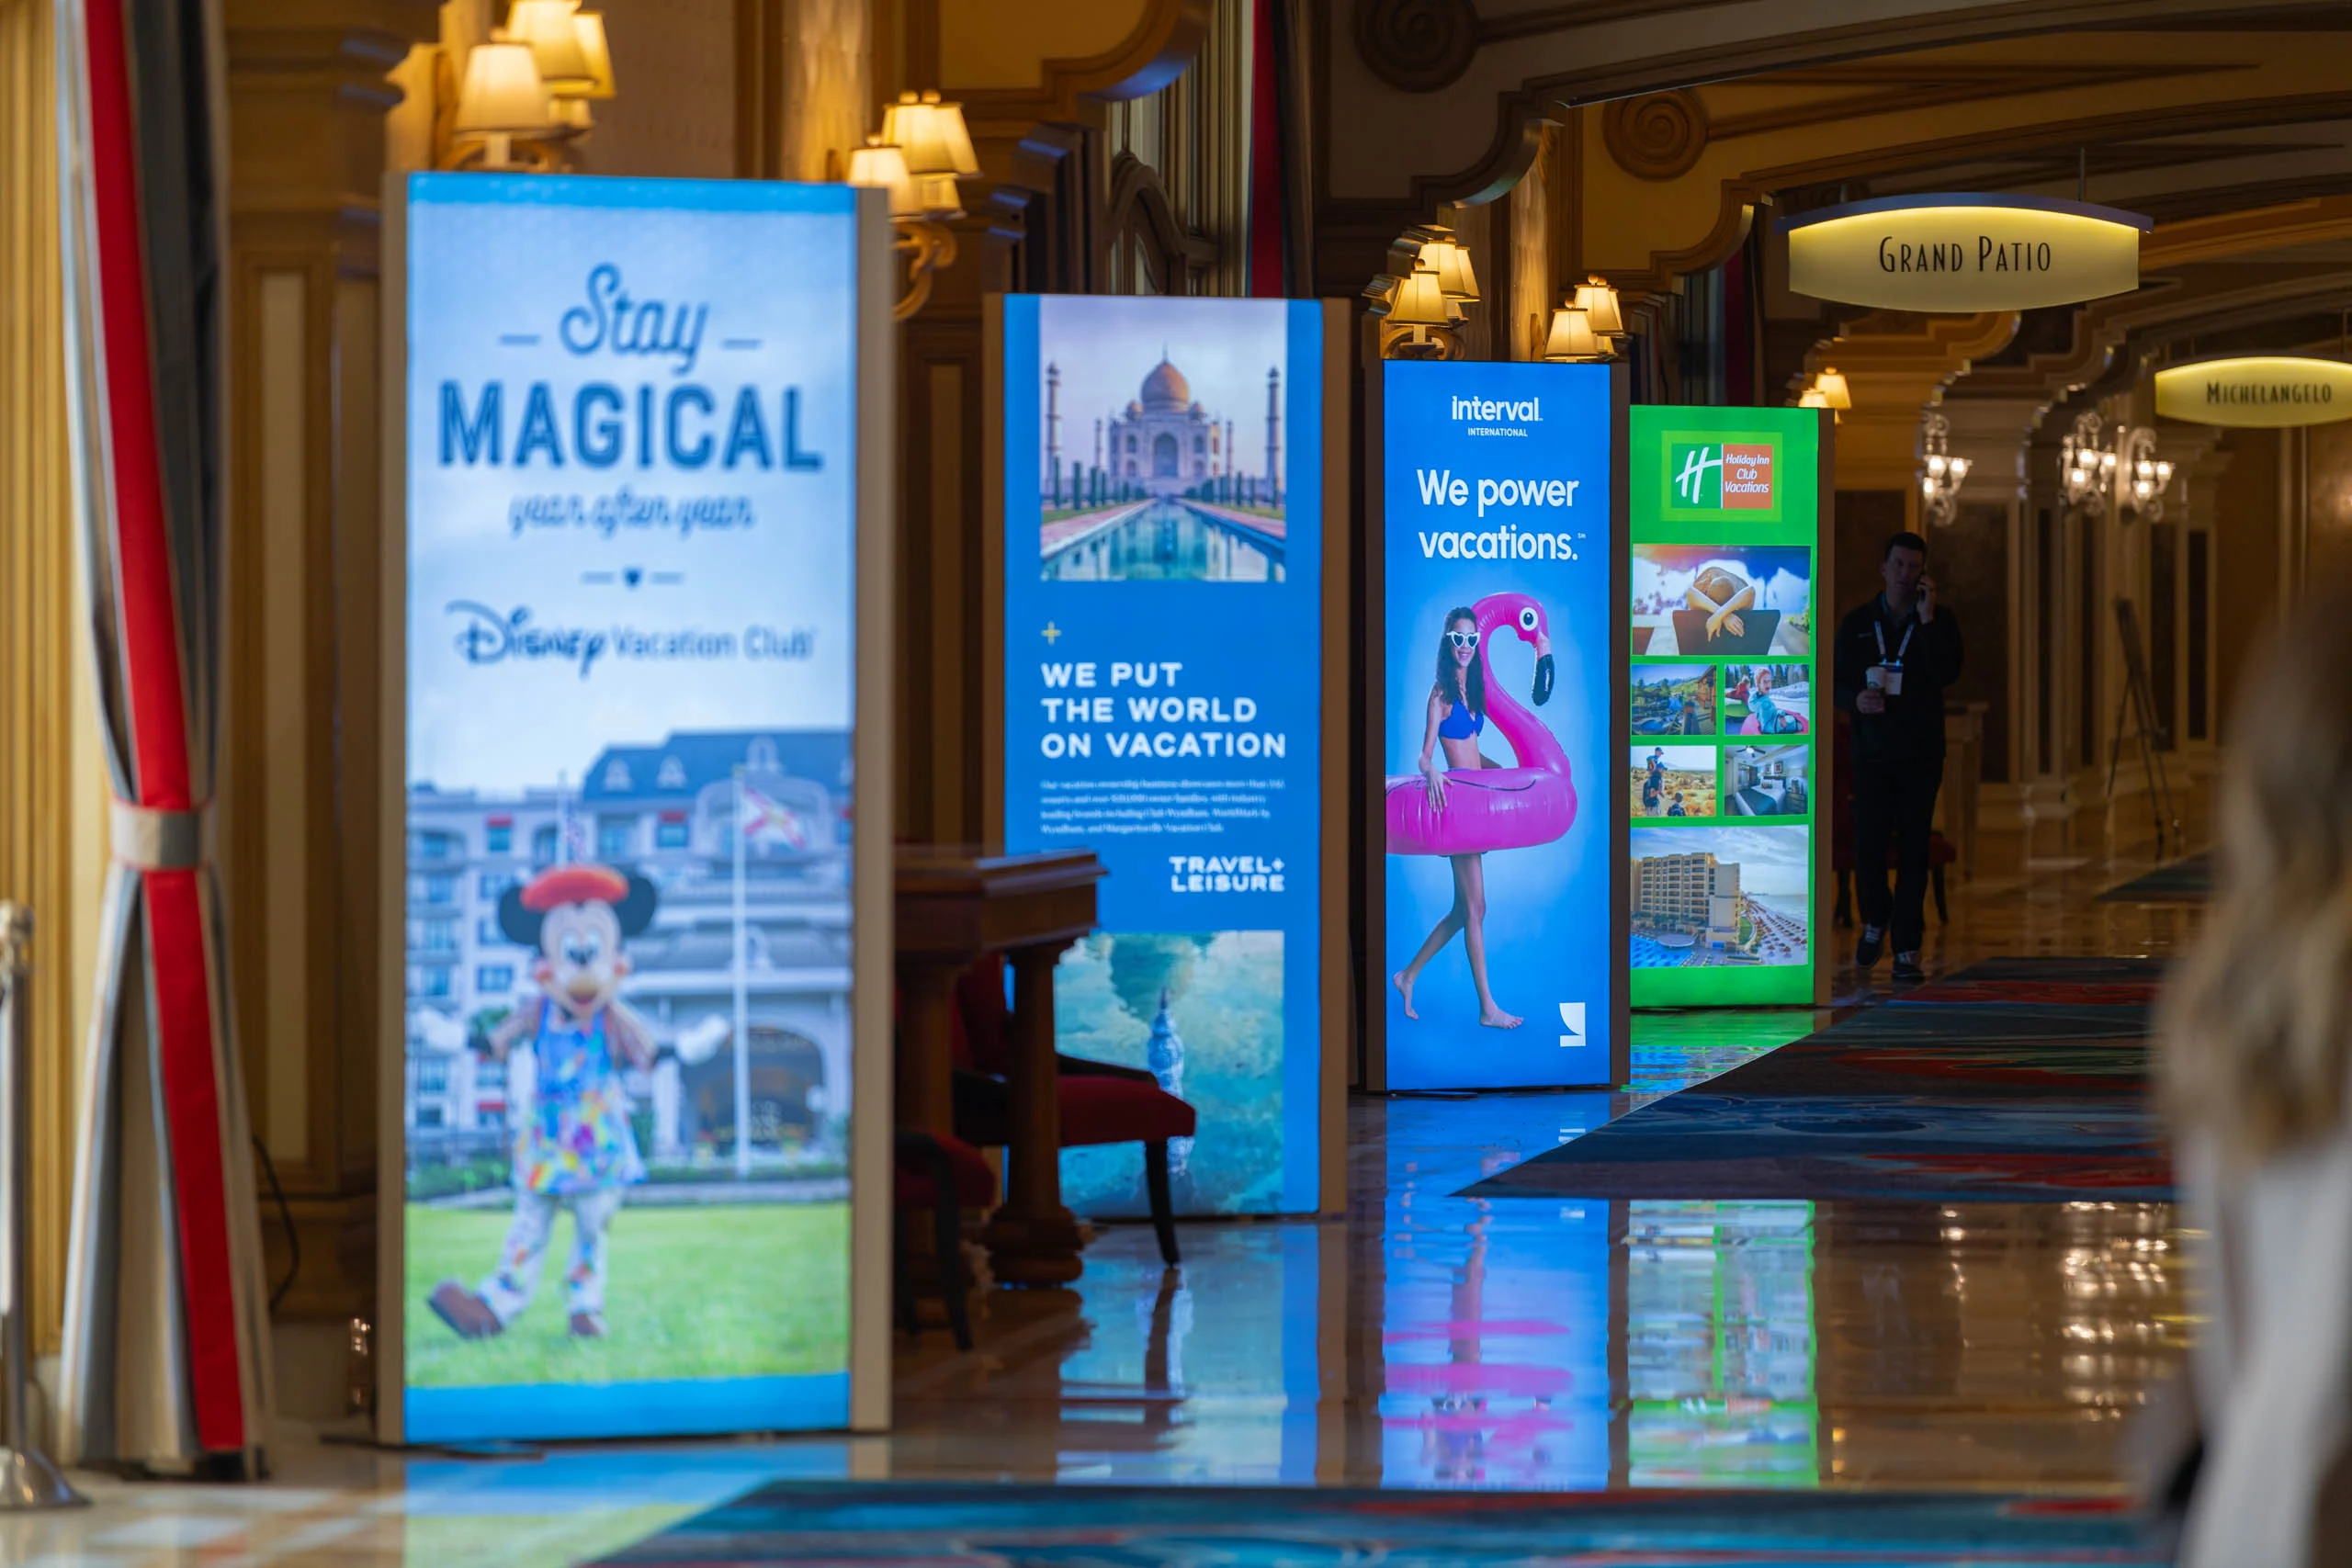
1721, 760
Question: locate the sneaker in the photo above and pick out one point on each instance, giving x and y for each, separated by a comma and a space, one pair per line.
468, 1315
1906, 967
1867, 950
587, 1325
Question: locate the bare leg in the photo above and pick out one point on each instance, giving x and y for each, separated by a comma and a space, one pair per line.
1440, 934
1472, 870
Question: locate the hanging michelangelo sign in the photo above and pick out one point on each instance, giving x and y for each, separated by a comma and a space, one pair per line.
1963, 252
2263, 391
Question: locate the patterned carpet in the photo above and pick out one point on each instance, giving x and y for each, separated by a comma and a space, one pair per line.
2017, 1081
2188, 880
1091, 1527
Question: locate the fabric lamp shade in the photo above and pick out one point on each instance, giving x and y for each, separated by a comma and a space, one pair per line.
936, 197
503, 93
930, 134
1572, 336
1833, 389
590, 26
1813, 398
1453, 266
1419, 300
1599, 303
879, 163
546, 29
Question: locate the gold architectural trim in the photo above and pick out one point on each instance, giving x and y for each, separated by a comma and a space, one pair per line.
1071, 90
1905, 85
1832, 53
1657, 136
2245, 233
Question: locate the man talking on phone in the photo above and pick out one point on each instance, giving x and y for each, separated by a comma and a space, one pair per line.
1894, 656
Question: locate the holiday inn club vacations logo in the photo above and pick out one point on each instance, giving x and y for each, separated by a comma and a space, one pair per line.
1730, 475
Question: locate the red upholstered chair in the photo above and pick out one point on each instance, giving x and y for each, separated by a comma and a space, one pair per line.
1101, 1102
945, 1176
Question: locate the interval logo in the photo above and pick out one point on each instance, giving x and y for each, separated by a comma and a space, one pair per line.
1734, 477
1572, 1020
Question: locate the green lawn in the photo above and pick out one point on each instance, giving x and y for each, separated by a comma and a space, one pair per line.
741, 1291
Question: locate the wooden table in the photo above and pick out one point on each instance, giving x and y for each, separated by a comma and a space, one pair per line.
954, 903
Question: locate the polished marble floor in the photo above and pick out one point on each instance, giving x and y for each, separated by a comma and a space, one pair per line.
1424, 1340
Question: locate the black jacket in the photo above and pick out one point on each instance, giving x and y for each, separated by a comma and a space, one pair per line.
1913, 724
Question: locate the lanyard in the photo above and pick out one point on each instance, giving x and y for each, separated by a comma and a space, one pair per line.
1878, 628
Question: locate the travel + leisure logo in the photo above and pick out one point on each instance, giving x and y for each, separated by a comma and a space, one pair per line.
1731, 476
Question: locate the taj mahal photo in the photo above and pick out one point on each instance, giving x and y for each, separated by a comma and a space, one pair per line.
1161, 450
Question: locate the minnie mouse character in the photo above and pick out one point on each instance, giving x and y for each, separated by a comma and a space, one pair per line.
573, 1147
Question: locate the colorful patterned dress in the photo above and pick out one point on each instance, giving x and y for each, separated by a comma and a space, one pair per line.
578, 1137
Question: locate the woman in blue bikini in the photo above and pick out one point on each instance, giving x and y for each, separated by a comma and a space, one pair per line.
1457, 714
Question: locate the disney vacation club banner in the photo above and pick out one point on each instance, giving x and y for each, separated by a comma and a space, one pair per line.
1163, 689
1498, 806
631, 465
1725, 755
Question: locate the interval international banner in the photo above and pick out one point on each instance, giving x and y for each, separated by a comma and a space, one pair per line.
1725, 742
1500, 803
633, 480
1163, 702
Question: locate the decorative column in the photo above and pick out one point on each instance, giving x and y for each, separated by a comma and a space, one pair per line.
1994, 433
53, 815
303, 783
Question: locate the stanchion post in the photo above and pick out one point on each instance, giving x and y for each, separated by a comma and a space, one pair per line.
27, 1479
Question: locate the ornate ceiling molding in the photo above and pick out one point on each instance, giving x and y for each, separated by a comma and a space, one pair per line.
1657, 136
1894, 362
1903, 84
1740, 193
2220, 302
2305, 223
1165, 39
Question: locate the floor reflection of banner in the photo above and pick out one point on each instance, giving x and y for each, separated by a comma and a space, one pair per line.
1495, 1317
1163, 678
1719, 1345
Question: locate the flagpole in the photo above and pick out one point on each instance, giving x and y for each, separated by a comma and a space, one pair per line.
742, 1004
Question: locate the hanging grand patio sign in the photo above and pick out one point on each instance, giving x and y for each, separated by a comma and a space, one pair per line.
2257, 390
1963, 252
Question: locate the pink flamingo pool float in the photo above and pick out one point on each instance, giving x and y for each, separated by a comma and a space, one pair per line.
1495, 808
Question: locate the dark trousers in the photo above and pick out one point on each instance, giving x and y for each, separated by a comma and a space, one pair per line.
1894, 801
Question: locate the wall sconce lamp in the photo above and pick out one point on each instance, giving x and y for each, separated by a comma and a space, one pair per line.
1828, 390
2147, 476
1589, 328
525, 93
1572, 340
504, 98
1418, 305
922, 151
1451, 264
1420, 310
1942, 474
2086, 469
